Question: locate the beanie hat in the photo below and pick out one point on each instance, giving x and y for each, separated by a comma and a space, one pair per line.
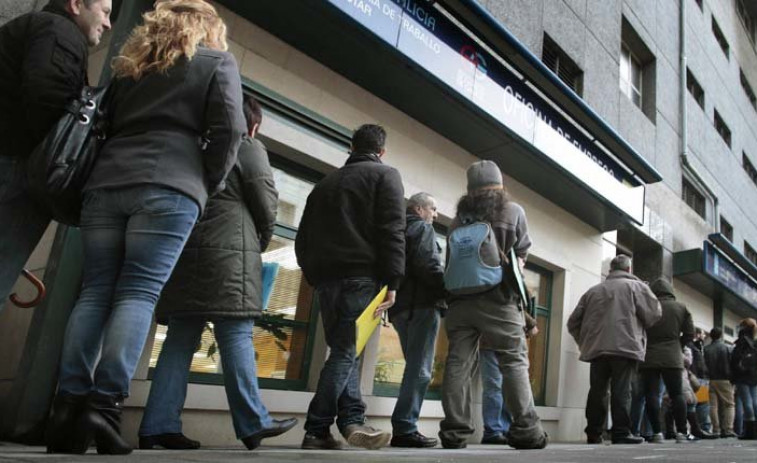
483, 174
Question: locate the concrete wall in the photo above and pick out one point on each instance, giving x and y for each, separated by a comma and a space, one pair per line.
589, 31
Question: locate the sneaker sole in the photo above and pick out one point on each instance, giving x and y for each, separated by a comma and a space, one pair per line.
370, 441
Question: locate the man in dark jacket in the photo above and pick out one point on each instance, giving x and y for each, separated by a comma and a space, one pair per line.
664, 358
609, 324
699, 369
415, 316
350, 243
717, 356
43, 66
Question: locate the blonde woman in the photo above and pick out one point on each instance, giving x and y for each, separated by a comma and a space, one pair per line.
176, 124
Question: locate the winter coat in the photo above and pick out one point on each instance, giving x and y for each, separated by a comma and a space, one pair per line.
717, 356
744, 361
666, 338
687, 388
43, 66
612, 317
354, 224
179, 129
423, 285
219, 271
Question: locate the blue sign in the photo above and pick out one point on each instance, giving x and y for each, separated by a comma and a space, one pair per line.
724, 271
432, 40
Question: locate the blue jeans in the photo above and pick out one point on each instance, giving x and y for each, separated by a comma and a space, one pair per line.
338, 393
23, 223
748, 396
169, 383
418, 340
132, 239
493, 408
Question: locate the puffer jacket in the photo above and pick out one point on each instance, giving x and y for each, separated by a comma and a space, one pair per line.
423, 285
612, 317
744, 361
43, 66
219, 271
668, 336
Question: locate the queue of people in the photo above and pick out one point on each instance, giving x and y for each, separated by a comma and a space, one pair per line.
182, 198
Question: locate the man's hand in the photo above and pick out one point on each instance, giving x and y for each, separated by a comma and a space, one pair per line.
388, 302
532, 332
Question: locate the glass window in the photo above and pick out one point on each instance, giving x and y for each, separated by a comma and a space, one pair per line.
390, 362
539, 283
749, 168
726, 229
283, 335
630, 75
694, 199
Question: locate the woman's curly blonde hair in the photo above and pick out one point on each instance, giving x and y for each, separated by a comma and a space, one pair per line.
174, 29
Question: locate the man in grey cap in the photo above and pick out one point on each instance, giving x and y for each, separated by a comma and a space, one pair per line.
493, 314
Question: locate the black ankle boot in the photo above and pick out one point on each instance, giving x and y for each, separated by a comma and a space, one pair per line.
61, 435
102, 421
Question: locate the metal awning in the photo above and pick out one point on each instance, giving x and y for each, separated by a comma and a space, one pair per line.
715, 274
370, 56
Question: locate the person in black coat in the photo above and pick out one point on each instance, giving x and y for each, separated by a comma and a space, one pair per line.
744, 374
350, 243
218, 279
176, 124
415, 317
43, 66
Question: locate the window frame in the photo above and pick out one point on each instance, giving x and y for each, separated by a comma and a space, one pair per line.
688, 185
747, 21
628, 56
717, 32
562, 65
695, 89
726, 229
722, 128
749, 168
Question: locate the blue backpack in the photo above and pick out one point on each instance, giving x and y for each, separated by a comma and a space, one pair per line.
475, 261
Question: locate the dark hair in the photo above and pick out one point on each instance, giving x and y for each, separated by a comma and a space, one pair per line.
698, 330
368, 138
483, 204
253, 113
716, 333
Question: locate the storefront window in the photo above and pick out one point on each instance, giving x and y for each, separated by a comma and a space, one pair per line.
390, 364
539, 283
283, 335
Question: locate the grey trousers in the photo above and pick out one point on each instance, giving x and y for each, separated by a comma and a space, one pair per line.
496, 317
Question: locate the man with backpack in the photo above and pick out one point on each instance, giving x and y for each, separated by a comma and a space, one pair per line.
487, 226
609, 324
415, 316
350, 243
43, 66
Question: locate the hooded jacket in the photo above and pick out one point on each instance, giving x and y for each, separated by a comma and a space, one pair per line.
665, 340
43, 66
744, 360
612, 317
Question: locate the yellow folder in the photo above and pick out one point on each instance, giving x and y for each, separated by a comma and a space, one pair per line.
366, 323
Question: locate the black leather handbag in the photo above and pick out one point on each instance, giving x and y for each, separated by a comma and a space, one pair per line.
59, 166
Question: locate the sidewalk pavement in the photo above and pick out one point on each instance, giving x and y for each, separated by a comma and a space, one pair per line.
720, 451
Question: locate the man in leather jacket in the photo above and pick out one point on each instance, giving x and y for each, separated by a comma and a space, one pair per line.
43, 66
415, 316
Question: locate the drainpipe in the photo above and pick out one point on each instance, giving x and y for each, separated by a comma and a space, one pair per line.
687, 167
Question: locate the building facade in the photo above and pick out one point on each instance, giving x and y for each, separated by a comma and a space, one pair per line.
622, 126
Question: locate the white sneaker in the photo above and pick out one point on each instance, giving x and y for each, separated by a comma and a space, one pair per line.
368, 437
